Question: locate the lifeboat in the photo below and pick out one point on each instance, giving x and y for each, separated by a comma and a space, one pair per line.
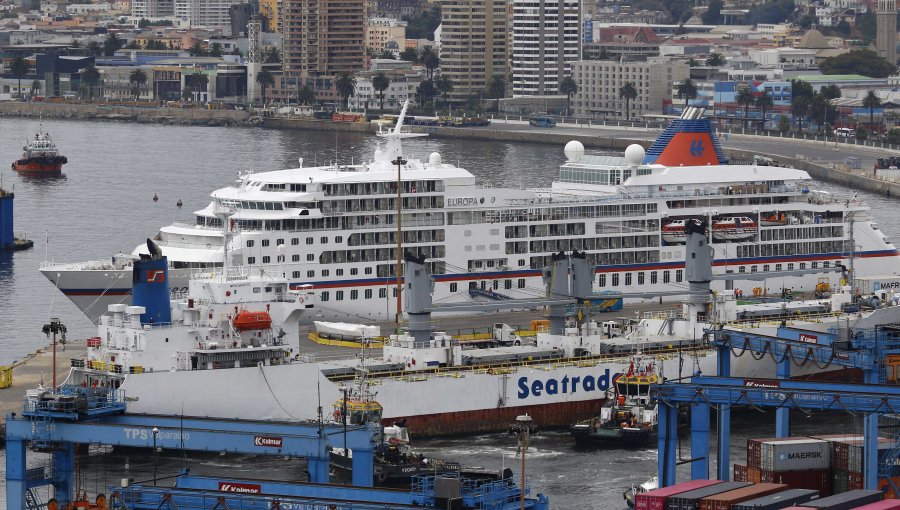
246, 320
673, 232
773, 219
736, 228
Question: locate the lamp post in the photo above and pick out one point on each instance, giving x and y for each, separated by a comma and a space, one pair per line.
54, 327
399, 162
344, 420
155, 456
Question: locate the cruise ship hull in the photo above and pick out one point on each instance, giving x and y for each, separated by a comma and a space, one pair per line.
461, 401
93, 290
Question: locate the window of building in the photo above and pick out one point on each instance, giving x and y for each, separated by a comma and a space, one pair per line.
627, 279
339, 272
309, 240
326, 272
521, 283
653, 277
310, 274
368, 294
295, 258
310, 257
601, 280
266, 259
679, 275
667, 277
265, 243
250, 244
251, 260
295, 274
325, 296
339, 295
640, 280
382, 293
453, 287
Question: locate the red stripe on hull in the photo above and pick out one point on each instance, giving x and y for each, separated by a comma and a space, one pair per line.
481, 421
37, 168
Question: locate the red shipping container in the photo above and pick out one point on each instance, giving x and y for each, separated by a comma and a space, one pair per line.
815, 479
855, 481
725, 500
740, 473
887, 504
656, 499
754, 475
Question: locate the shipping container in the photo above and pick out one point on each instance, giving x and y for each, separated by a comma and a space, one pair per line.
846, 500
816, 479
754, 447
740, 473
690, 500
887, 504
840, 481
754, 475
855, 481
778, 500
856, 457
795, 455
725, 500
656, 499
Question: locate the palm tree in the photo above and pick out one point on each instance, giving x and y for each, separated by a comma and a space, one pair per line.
715, 60
629, 93
95, 48
271, 55
265, 80
430, 60
871, 101
569, 87
686, 90
197, 50
137, 78
18, 67
380, 82
497, 90
800, 109
409, 55
91, 77
764, 101
745, 98
424, 92
306, 95
112, 44
387, 55
187, 93
443, 85
346, 86
819, 109
215, 49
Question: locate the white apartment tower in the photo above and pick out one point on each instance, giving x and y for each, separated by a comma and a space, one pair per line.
546, 39
152, 8
205, 13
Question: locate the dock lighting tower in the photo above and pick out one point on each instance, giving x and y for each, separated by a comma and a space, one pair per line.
55, 327
524, 422
155, 456
399, 162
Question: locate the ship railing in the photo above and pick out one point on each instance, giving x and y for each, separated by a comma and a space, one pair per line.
72, 400
699, 192
664, 314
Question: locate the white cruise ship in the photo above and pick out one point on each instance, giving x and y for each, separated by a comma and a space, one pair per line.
334, 228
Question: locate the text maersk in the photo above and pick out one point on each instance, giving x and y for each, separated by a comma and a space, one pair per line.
804, 455
574, 384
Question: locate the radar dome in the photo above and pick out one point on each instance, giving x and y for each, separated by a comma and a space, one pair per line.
434, 159
574, 151
634, 154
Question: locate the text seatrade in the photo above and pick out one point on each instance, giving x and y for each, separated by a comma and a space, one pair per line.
574, 384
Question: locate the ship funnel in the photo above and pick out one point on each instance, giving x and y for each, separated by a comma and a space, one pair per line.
150, 286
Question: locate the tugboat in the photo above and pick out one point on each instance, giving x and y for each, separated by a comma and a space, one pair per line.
630, 419
40, 156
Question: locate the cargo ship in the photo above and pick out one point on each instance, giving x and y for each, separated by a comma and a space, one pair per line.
40, 157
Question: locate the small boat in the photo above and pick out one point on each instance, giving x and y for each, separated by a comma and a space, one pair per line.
628, 418
673, 232
773, 219
40, 157
246, 320
735, 228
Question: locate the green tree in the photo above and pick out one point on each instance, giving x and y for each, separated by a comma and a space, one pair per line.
346, 86
715, 60
569, 87
862, 133
871, 101
425, 92
410, 55
197, 49
819, 109
831, 91
444, 86
237, 51
271, 55
864, 62
629, 93
893, 136
137, 78
686, 90
90, 76
381, 82
800, 109
784, 124
215, 49
187, 93
745, 98
265, 80
424, 25
387, 55
806, 21
764, 101
18, 67
35, 87
772, 11
306, 95
497, 90
112, 44
132, 45
800, 88
430, 60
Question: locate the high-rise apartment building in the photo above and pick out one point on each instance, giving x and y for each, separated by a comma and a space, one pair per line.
886, 35
474, 44
545, 40
152, 8
206, 13
323, 37
271, 9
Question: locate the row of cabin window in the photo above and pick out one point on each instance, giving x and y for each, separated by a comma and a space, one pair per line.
354, 271
641, 278
382, 292
789, 266
294, 241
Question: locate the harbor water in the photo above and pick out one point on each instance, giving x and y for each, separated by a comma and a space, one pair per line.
104, 204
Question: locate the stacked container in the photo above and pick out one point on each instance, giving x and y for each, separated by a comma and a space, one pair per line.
656, 499
780, 500
846, 500
798, 462
691, 500
848, 459
725, 500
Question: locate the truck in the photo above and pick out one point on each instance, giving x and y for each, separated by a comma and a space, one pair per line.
505, 335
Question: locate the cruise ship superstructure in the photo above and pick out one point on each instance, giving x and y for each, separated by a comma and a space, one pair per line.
334, 227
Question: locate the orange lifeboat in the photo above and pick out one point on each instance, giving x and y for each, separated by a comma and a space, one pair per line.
246, 320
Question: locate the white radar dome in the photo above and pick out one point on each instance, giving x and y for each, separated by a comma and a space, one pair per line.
574, 151
634, 154
434, 159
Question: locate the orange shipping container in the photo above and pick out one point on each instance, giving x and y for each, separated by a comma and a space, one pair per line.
726, 500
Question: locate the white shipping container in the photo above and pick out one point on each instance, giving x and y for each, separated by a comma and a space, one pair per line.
872, 284
796, 455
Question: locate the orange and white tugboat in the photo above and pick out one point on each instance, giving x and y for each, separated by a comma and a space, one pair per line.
41, 157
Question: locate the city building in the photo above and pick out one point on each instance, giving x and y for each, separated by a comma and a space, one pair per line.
323, 38
474, 45
599, 83
205, 13
380, 31
886, 36
271, 10
402, 87
546, 38
152, 8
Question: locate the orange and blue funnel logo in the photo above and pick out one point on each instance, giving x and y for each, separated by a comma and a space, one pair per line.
156, 276
686, 142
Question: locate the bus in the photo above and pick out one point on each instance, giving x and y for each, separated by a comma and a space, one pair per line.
542, 122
